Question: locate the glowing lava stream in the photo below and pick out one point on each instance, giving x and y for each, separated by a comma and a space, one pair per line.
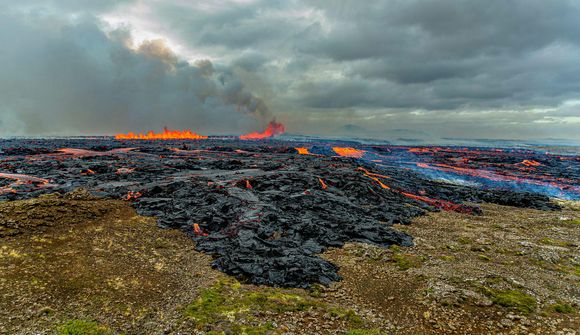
165, 135
24, 178
443, 204
374, 176
303, 151
21, 179
323, 184
274, 128
527, 162
348, 152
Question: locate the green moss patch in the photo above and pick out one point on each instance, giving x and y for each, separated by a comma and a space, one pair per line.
347, 315
229, 307
82, 327
551, 241
575, 221
563, 308
523, 303
407, 261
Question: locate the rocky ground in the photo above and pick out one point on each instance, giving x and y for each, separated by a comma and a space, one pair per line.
78, 265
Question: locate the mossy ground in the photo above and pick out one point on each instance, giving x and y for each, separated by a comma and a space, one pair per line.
563, 308
82, 327
520, 301
82, 265
506, 271
229, 307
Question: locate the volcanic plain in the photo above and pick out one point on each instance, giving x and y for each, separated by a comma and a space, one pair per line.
109, 237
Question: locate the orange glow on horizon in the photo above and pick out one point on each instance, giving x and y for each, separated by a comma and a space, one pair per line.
165, 135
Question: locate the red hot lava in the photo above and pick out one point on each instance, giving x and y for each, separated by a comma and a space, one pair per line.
323, 184
133, 195
165, 135
527, 162
198, 231
302, 151
21, 179
348, 152
442, 204
274, 128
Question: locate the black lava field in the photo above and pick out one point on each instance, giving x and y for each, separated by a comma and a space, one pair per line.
266, 209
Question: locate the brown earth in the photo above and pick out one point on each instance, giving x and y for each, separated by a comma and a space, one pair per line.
96, 259
509, 271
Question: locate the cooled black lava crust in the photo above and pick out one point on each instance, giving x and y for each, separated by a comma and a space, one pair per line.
264, 211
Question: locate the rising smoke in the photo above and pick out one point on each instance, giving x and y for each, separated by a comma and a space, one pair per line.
59, 75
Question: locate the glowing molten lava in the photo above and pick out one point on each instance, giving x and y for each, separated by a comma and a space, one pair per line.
375, 177
132, 195
442, 204
198, 231
274, 128
165, 135
303, 151
530, 163
87, 172
323, 184
22, 179
348, 152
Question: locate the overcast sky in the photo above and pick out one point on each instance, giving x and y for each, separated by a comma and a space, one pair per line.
507, 69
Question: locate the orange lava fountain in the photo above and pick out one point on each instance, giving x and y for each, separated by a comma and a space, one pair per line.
165, 135
274, 128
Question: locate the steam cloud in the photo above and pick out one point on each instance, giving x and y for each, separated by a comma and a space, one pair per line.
58, 75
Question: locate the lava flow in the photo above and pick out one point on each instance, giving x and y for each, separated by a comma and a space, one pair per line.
20, 180
165, 135
263, 211
323, 184
348, 152
528, 162
438, 203
274, 128
302, 151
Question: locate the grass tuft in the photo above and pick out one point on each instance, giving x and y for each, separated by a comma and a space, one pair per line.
521, 302
563, 308
82, 327
407, 261
226, 306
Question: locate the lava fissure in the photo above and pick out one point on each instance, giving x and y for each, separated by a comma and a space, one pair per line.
167, 134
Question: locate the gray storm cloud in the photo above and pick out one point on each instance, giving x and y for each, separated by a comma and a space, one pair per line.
493, 69
70, 77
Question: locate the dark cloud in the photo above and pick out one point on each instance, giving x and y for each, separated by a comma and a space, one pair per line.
250, 61
59, 76
434, 65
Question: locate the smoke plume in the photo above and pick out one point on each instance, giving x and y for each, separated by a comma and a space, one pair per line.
57, 75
